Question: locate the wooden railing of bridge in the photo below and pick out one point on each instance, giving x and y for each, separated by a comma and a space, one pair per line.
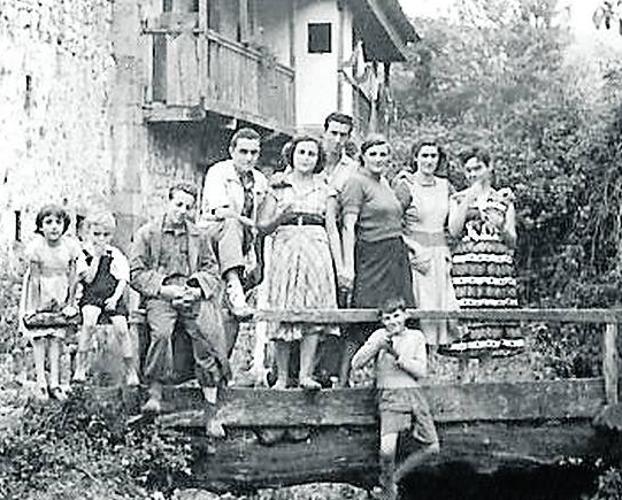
331, 435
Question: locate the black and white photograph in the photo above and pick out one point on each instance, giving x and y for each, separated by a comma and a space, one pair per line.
310, 249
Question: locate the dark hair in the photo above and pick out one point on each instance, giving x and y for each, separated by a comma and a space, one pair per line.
393, 304
244, 133
185, 187
321, 154
370, 142
54, 210
416, 147
351, 149
476, 152
338, 117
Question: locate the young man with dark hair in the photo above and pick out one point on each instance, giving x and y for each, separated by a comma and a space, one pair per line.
233, 191
339, 167
401, 362
173, 267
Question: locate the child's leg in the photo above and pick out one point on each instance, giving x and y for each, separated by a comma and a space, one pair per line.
121, 328
415, 459
308, 347
282, 349
90, 315
54, 359
38, 353
213, 427
388, 448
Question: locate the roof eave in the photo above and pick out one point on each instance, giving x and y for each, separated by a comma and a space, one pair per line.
396, 25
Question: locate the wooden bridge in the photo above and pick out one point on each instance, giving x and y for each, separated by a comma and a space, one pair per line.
278, 438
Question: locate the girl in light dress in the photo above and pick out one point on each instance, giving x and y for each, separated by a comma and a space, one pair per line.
49, 287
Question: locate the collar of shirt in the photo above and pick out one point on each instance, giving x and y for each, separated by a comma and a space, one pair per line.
176, 229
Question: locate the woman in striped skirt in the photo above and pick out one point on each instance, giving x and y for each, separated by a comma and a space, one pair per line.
301, 274
483, 261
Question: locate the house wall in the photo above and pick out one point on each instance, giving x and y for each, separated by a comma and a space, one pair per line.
317, 78
56, 70
273, 20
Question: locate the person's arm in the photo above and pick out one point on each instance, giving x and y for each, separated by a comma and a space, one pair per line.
120, 269
458, 208
352, 200
271, 214
414, 359
333, 233
402, 191
34, 286
508, 231
73, 282
143, 278
369, 349
348, 240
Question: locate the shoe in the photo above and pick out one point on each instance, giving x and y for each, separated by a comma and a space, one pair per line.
79, 378
154, 403
132, 378
310, 384
58, 393
40, 393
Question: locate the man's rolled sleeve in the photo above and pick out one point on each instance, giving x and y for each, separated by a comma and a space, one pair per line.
215, 190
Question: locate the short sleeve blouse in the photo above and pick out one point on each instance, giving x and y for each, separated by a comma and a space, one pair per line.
374, 202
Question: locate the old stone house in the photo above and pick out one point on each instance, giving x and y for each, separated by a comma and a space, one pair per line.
106, 102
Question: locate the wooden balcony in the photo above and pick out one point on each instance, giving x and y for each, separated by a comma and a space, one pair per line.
192, 70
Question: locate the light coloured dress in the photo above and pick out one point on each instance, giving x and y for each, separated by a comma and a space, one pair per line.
425, 219
54, 264
300, 274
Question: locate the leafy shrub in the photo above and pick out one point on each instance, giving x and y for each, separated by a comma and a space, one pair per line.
87, 442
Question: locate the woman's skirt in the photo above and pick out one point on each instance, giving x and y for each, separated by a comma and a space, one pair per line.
483, 277
433, 289
382, 272
300, 276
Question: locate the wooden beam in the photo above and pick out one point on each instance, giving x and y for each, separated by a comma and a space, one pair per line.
560, 399
164, 113
349, 455
610, 362
392, 34
327, 316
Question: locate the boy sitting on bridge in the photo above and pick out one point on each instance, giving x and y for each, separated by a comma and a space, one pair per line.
401, 362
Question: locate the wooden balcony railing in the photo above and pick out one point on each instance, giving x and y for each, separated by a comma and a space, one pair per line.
192, 69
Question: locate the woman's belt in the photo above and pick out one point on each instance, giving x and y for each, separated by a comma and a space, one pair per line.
437, 239
303, 220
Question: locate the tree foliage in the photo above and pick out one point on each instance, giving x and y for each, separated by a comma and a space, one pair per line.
497, 75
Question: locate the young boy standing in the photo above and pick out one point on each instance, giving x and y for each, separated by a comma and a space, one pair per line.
400, 363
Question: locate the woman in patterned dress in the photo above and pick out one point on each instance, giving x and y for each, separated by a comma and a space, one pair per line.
301, 274
483, 261
425, 197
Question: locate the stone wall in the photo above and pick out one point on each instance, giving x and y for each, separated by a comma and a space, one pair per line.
55, 74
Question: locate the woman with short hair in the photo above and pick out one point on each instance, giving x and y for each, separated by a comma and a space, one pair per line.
375, 257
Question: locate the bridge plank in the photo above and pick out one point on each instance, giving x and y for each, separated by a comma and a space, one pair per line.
560, 399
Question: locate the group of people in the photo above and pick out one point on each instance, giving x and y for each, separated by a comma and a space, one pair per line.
329, 231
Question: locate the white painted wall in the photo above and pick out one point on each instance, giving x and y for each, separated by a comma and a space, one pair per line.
316, 74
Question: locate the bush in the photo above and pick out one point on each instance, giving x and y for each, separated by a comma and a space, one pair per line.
84, 447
